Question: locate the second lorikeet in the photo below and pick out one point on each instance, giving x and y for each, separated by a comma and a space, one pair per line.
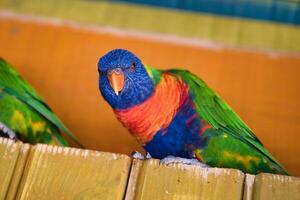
174, 113
23, 113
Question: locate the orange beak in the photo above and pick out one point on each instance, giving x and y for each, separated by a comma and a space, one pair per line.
116, 80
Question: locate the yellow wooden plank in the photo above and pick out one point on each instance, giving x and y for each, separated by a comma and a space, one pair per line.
9, 151
276, 187
134, 175
248, 187
228, 30
176, 181
18, 172
68, 173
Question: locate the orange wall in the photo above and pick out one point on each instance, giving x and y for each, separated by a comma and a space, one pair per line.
60, 62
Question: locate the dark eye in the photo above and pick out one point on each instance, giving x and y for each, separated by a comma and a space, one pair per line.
132, 67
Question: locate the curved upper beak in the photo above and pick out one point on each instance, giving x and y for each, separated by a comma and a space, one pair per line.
116, 80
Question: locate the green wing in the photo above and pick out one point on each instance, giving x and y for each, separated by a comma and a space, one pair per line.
12, 83
219, 114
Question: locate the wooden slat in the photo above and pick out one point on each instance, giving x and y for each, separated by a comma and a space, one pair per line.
134, 175
156, 181
18, 172
53, 172
239, 32
9, 151
248, 186
276, 187
69, 173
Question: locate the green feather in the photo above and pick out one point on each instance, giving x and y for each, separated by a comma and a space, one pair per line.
154, 74
220, 116
11, 83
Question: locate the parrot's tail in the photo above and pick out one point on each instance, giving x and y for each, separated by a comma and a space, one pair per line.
280, 170
59, 140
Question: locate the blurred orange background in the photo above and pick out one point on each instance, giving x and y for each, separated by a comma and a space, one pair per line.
60, 61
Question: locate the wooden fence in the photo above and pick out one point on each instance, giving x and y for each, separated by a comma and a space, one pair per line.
52, 172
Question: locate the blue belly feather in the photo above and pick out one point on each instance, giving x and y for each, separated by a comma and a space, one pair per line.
181, 137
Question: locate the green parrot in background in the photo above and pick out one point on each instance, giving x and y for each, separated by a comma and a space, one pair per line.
24, 115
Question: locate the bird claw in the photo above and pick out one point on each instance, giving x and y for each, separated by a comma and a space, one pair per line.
138, 155
148, 156
172, 159
7, 132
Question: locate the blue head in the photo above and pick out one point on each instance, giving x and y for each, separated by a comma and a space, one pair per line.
123, 79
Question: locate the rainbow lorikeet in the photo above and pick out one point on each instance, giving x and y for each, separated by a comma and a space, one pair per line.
174, 113
23, 113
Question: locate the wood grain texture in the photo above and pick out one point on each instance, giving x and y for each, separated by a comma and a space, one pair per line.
68, 173
157, 181
248, 186
18, 171
53, 172
60, 60
276, 187
131, 191
226, 30
9, 152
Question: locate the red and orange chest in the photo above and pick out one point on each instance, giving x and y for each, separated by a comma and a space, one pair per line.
157, 112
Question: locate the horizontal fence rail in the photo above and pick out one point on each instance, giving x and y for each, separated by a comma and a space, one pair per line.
52, 172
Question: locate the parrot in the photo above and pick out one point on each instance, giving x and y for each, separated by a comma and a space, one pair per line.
175, 115
24, 115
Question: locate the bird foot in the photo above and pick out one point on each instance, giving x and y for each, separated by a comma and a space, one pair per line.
138, 155
7, 132
172, 159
